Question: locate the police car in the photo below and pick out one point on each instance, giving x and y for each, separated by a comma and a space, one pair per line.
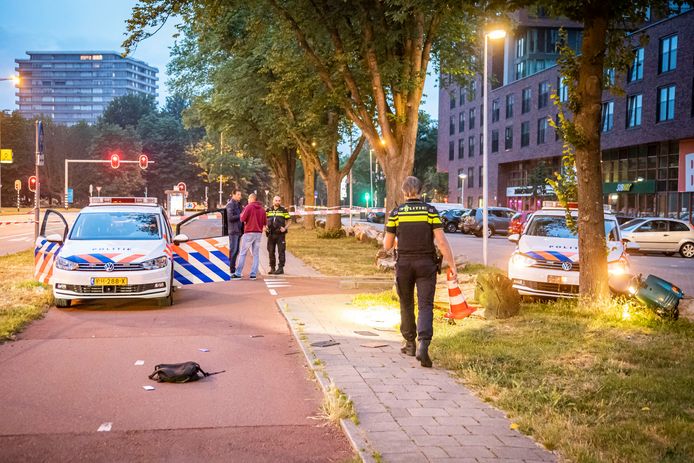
545, 262
125, 248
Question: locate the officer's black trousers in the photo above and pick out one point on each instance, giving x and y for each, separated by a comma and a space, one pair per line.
276, 241
419, 271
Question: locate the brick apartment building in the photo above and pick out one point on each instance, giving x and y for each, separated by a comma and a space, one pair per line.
648, 133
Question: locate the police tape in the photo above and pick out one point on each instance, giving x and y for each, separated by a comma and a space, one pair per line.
17, 222
341, 211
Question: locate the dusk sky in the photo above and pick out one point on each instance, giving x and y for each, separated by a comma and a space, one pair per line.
77, 25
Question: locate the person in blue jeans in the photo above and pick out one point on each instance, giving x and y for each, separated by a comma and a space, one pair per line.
235, 227
254, 221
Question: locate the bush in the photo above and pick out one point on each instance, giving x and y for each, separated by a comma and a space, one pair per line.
495, 292
331, 234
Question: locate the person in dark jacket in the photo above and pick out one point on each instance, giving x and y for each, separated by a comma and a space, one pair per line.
235, 227
254, 221
277, 226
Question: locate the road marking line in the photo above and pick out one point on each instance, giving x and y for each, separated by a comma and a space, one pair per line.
278, 286
273, 292
105, 427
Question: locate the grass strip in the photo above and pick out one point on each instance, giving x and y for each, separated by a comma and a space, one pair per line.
24, 299
344, 256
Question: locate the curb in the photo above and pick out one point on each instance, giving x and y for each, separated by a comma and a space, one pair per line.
355, 435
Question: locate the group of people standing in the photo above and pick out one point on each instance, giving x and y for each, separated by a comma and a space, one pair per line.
246, 225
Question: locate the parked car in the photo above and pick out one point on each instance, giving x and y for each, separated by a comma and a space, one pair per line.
657, 234
518, 221
451, 219
376, 217
498, 220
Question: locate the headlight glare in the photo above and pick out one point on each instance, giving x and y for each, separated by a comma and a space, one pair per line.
65, 264
618, 267
521, 260
159, 262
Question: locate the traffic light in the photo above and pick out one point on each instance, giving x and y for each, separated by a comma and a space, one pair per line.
32, 183
143, 160
115, 161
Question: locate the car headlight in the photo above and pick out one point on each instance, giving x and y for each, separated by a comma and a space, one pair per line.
618, 267
159, 262
65, 264
521, 260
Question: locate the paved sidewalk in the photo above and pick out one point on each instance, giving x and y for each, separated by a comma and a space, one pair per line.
294, 267
406, 413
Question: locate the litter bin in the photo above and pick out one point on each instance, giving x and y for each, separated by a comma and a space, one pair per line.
660, 295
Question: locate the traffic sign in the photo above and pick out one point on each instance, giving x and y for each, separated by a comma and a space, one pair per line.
70, 195
18, 185
6, 156
181, 186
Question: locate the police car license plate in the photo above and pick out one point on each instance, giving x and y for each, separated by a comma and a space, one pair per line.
109, 281
560, 280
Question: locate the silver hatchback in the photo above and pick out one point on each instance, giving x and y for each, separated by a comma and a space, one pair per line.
658, 234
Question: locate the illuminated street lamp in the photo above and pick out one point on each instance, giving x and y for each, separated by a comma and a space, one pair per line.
15, 79
462, 188
491, 34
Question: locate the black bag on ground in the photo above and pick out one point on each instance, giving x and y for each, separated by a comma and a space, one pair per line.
179, 372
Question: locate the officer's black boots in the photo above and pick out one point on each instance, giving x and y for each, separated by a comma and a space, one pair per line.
280, 271
409, 348
423, 354
272, 271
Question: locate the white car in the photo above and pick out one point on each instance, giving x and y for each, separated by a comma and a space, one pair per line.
125, 248
546, 263
657, 234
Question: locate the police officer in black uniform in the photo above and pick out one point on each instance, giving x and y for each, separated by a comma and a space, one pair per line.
277, 226
417, 226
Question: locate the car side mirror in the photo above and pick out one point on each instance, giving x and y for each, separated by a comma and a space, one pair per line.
631, 246
54, 238
514, 238
180, 238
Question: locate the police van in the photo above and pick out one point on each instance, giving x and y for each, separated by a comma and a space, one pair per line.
126, 248
546, 261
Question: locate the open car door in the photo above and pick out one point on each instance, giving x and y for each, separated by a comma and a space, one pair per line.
45, 252
204, 256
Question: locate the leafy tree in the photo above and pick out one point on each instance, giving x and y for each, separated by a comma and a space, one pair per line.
435, 183
127, 110
128, 179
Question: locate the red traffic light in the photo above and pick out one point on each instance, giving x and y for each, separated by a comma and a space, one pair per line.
181, 186
143, 160
32, 183
115, 161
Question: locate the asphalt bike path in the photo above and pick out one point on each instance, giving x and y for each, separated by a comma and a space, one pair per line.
72, 387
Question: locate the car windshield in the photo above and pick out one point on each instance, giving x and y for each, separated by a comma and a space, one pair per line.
632, 224
554, 226
116, 225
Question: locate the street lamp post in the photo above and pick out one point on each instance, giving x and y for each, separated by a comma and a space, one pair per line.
492, 34
371, 176
462, 188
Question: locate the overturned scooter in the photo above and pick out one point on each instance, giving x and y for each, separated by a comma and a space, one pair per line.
659, 295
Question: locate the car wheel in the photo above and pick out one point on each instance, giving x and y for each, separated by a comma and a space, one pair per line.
63, 303
687, 250
490, 231
450, 227
168, 300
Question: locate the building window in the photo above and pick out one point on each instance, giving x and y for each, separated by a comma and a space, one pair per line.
470, 177
451, 150
525, 100
461, 121
495, 110
481, 115
634, 110
608, 80
508, 138
451, 126
461, 171
495, 141
510, 99
473, 90
563, 90
607, 116
481, 144
471, 119
481, 176
635, 71
461, 96
461, 148
668, 53
452, 98
666, 103
541, 130
557, 124
543, 94
471, 146
525, 134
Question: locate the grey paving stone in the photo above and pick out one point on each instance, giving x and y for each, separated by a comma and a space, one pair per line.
382, 436
428, 411
367, 418
383, 426
438, 441
414, 430
402, 446
398, 412
409, 457
447, 404
456, 420
453, 460
468, 451
433, 452
415, 421
518, 441
414, 395
499, 430
517, 452
447, 430
486, 441
402, 403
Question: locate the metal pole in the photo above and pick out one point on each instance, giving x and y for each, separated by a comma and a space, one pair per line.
37, 193
220, 191
371, 178
350, 197
66, 183
1, 118
462, 191
485, 149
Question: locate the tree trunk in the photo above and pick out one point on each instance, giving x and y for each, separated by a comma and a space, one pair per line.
591, 228
309, 188
283, 166
332, 187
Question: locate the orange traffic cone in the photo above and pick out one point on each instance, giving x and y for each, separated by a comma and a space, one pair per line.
458, 307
